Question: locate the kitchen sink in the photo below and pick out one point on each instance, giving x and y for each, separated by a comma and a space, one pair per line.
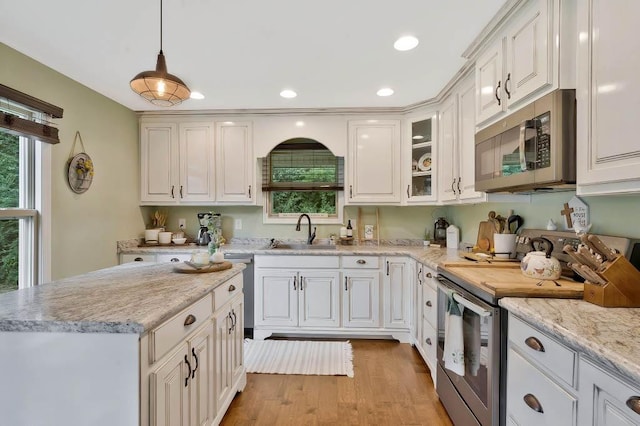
284, 246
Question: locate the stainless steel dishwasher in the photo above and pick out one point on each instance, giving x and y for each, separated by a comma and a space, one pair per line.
247, 277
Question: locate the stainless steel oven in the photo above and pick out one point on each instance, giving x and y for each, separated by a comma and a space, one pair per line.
474, 398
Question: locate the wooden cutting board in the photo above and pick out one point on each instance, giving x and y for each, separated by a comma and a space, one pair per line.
183, 268
509, 281
486, 230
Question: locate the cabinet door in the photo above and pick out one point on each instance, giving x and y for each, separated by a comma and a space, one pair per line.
319, 298
612, 399
419, 162
201, 384
222, 356
489, 86
237, 338
397, 293
529, 52
361, 300
235, 164
196, 162
448, 138
607, 97
170, 390
276, 297
159, 163
374, 162
466, 143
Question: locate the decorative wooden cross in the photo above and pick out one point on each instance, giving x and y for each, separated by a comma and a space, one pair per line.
566, 212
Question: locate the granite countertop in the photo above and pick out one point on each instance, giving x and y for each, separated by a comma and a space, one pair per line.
607, 335
130, 298
431, 256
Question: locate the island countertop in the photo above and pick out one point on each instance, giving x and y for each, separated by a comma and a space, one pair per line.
131, 298
607, 335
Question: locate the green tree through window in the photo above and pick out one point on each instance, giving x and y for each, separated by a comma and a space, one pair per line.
9, 192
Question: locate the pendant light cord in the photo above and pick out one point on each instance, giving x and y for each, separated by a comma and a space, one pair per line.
160, 26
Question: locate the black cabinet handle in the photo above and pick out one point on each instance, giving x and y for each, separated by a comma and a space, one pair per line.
408, 195
428, 341
534, 344
172, 196
181, 192
453, 183
361, 261
429, 304
459, 179
497, 97
533, 403
235, 319
387, 268
231, 321
193, 352
186, 379
345, 284
190, 319
420, 276
232, 288
137, 259
506, 89
301, 282
295, 282
249, 191
175, 259
634, 404
429, 275
350, 191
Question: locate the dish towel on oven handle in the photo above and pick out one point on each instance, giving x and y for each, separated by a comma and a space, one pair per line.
454, 337
472, 343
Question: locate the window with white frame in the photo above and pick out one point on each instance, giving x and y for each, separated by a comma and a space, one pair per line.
24, 183
302, 176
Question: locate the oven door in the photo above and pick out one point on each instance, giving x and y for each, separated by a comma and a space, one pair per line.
480, 385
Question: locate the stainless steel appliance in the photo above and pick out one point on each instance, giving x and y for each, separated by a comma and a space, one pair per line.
478, 397
533, 149
247, 278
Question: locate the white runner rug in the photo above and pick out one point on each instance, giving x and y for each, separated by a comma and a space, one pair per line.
309, 357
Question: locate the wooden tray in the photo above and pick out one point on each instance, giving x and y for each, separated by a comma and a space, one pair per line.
183, 268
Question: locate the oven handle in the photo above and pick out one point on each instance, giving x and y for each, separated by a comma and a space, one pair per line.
461, 299
526, 124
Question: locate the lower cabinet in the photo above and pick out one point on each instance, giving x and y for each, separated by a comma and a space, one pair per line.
361, 298
397, 292
610, 400
192, 364
426, 335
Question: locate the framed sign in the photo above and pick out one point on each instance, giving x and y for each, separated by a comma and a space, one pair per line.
80, 173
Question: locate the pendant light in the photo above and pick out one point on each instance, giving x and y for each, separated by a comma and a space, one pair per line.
159, 87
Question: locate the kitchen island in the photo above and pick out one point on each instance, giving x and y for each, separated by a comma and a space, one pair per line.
90, 349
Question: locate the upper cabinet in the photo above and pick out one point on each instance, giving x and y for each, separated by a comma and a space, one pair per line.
196, 163
607, 98
235, 164
176, 163
519, 63
456, 145
420, 169
373, 168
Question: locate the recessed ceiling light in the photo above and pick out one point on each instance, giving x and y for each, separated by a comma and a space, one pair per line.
418, 137
406, 43
196, 95
385, 91
299, 123
288, 94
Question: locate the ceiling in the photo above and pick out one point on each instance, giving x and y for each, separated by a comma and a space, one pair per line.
241, 53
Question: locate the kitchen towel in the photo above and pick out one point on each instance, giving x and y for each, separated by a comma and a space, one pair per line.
454, 337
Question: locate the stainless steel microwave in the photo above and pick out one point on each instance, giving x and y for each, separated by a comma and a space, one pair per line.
533, 149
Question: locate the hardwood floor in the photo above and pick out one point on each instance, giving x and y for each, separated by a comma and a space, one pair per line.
392, 386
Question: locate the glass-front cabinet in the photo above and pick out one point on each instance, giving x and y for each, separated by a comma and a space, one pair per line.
421, 165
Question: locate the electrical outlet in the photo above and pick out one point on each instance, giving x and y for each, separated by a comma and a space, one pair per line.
182, 223
238, 224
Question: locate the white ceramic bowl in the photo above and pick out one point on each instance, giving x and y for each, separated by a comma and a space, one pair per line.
179, 241
164, 237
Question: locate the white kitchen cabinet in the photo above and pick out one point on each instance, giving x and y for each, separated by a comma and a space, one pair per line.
396, 285
541, 372
608, 98
176, 163
126, 258
426, 337
608, 399
519, 63
419, 163
457, 146
170, 257
235, 163
361, 292
319, 298
276, 297
373, 163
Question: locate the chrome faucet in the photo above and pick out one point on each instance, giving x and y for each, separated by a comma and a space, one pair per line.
311, 236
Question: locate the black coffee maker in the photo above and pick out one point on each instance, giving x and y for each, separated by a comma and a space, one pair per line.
203, 237
440, 231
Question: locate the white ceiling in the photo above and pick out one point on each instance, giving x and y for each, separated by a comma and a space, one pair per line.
241, 53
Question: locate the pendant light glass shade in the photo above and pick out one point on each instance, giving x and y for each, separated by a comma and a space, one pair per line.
159, 87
